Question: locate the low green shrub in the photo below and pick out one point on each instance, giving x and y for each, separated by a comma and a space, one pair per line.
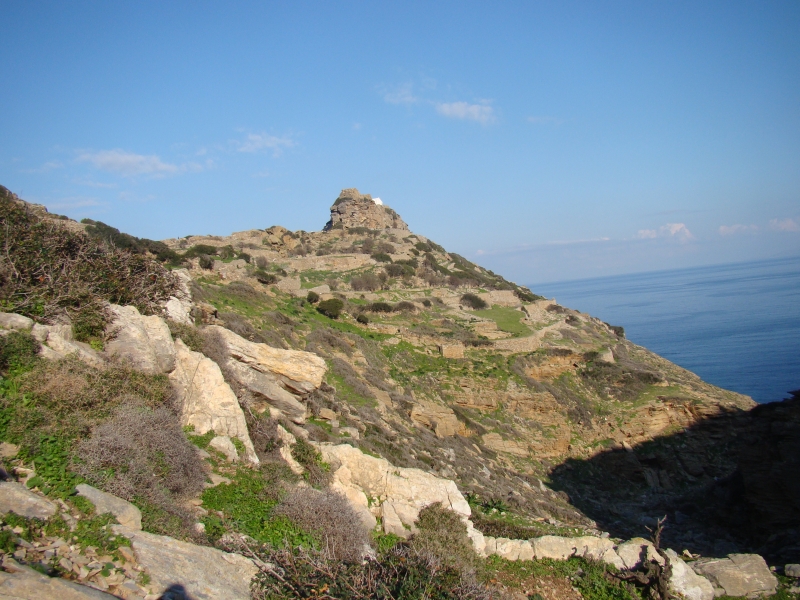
473, 301
312, 297
17, 349
331, 308
404, 306
381, 257
205, 262
379, 307
363, 319
317, 472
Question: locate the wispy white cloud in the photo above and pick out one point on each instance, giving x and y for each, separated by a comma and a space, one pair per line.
676, 231
482, 113
127, 196
95, 184
545, 120
48, 166
129, 164
787, 224
72, 202
400, 94
255, 142
738, 228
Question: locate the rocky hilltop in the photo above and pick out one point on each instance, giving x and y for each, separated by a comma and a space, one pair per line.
353, 209
353, 409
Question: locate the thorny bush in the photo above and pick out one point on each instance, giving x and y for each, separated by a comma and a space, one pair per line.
47, 269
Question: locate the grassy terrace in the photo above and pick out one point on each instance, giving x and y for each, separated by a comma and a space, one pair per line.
507, 319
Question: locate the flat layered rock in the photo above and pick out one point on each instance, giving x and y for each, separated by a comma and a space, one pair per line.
685, 583
738, 575
205, 573
142, 341
16, 498
401, 492
300, 371
126, 513
27, 584
207, 401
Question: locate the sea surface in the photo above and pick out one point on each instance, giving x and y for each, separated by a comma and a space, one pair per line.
736, 325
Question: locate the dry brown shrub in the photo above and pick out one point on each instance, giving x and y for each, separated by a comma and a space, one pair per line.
330, 517
72, 394
442, 537
141, 452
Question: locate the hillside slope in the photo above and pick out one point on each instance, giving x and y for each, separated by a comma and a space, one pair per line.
296, 396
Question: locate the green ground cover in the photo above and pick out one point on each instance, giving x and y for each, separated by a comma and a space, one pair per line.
507, 319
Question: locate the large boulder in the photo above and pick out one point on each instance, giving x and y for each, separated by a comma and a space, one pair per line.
637, 550
144, 342
561, 548
179, 307
207, 401
299, 371
15, 321
685, 583
16, 498
441, 419
60, 343
126, 513
398, 493
205, 573
23, 583
738, 575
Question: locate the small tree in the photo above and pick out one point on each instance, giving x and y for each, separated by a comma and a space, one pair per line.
331, 308
473, 301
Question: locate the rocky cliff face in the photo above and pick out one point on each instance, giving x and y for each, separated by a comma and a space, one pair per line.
353, 209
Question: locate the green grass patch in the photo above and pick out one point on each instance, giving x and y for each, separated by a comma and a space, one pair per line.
507, 319
247, 504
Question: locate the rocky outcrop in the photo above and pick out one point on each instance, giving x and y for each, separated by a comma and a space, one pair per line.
126, 513
441, 419
738, 575
204, 573
179, 307
142, 342
207, 401
60, 343
23, 583
685, 583
396, 494
15, 497
353, 209
278, 377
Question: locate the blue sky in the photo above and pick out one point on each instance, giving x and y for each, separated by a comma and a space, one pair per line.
545, 140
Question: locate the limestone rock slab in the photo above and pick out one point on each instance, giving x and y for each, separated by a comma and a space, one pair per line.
143, 341
61, 344
206, 573
222, 443
15, 321
739, 575
126, 513
207, 401
300, 371
634, 550
15, 497
685, 583
401, 492
265, 385
27, 584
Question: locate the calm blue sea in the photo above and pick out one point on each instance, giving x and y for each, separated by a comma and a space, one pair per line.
737, 326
